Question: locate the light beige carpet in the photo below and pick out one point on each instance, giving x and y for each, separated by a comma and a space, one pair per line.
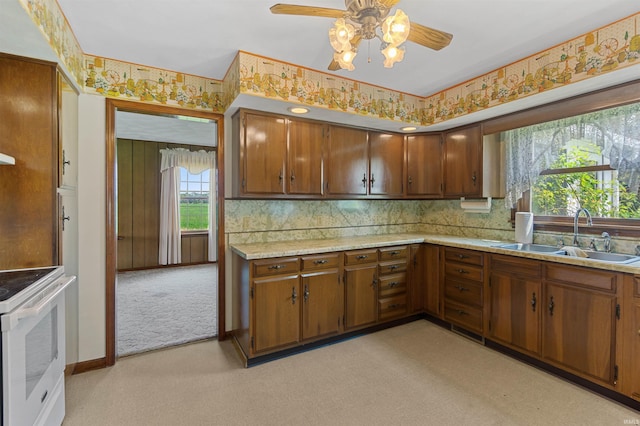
415, 374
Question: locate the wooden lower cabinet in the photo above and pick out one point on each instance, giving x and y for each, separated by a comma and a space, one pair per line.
630, 368
275, 312
516, 302
322, 302
431, 279
464, 288
361, 294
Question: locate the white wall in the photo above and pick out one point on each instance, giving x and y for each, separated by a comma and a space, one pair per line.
91, 227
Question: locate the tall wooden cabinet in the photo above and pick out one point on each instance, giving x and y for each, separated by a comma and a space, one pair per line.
29, 132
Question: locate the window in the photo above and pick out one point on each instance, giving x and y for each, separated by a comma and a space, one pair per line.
194, 201
590, 161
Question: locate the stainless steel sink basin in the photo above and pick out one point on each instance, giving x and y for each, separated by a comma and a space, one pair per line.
539, 248
612, 257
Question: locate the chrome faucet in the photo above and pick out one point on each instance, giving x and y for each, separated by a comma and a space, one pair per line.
575, 224
607, 241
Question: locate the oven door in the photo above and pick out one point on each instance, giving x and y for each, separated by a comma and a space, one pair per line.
33, 345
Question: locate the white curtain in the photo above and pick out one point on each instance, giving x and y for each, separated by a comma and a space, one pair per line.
195, 163
530, 150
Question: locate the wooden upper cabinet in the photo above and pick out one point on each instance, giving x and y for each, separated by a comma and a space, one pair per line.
386, 153
463, 162
263, 154
424, 165
348, 157
304, 158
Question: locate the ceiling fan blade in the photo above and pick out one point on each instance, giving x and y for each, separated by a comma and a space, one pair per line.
428, 37
294, 9
355, 41
388, 3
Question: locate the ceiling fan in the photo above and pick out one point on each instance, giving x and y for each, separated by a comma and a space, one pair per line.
360, 21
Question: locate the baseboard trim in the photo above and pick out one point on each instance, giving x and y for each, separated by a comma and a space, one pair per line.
92, 364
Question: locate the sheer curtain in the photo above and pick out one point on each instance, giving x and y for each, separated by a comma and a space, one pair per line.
195, 163
530, 150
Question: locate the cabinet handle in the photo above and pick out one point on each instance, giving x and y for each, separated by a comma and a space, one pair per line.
410, 181
393, 284
534, 301
551, 306
462, 271
64, 218
364, 180
462, 256
280, 177
393, 306
474, 178
393, 267
373, 179
306, 293
375, 282
293, 176
275, 267
459, 287
294, 296
460, 312
394, 253
361, 256
65, 162
320, 262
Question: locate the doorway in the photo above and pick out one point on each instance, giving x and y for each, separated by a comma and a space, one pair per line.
117, 114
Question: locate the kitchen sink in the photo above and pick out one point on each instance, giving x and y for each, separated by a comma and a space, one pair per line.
539, 248
612, 257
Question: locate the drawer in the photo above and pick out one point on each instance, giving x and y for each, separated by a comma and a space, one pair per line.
322, 261
464, 292
516, 265
392, 267
266, 267
463, 315
463, 256
461, 271
391, 253
391, 307
392, 284
583, 277
360, 256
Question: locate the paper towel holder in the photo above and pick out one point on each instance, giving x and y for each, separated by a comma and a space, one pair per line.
476, 206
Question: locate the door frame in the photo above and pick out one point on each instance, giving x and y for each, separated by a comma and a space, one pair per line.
113, 105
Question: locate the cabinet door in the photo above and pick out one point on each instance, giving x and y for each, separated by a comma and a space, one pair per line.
386, 164
424, 165
633, 370
579, 330
276, 312
515, 311
322, 304
463, 162
263, 154
347, 154
416, 278
361, 294
305, 158
431, 277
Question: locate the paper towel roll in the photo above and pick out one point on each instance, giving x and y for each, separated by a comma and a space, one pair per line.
524, 227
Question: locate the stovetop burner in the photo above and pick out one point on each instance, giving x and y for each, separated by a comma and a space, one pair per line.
14, 281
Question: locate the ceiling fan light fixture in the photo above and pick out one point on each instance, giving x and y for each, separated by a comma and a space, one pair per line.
345, 59
395, 28
392, 54
341, 34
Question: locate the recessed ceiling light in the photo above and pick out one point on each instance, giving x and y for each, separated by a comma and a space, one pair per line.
408, 129
298, 110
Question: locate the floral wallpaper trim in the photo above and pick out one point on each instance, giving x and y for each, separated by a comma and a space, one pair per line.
601, 51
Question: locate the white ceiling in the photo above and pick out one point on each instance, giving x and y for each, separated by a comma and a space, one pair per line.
202, 37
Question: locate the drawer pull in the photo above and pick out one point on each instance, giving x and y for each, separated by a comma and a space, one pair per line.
461, 313
275, 267
534, 301
393, 306
394, 253
393, 284
393, 267
294, 296
462, 256
551, 306
459, 287
462, 271
320, 262
306, 293
361, 256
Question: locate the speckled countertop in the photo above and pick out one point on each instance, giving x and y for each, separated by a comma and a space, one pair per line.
302, 247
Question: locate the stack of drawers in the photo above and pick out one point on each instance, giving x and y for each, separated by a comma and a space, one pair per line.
463, 288
392, 277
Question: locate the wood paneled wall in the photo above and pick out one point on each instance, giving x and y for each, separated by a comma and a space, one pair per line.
138, 207
29, 133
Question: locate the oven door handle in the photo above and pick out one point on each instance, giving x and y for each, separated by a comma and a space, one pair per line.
32, 309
